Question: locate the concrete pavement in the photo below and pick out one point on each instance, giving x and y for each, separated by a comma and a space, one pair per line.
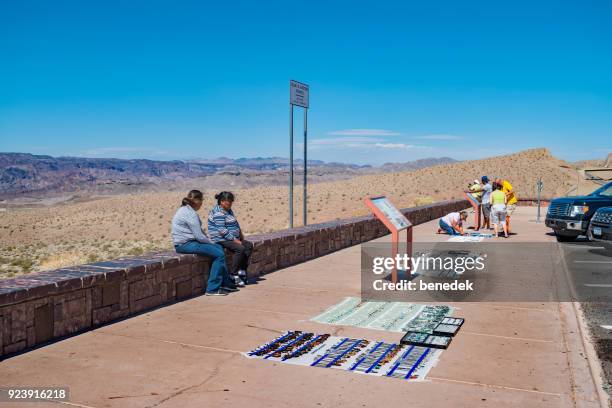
188, 354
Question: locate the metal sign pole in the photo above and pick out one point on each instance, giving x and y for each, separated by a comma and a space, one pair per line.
540, 185
305, 167
290, 165
298, 95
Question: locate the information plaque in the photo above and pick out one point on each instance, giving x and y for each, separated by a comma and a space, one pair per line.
392, 214
395, 222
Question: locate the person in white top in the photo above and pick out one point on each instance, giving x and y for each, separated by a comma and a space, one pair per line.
452, 223
486, 188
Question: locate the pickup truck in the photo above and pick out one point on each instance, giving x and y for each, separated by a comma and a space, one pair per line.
569, 217
600, 229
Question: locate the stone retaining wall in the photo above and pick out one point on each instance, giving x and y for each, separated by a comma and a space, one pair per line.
43, 306
533, 202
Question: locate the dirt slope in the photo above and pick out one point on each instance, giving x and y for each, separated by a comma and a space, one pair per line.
45, 238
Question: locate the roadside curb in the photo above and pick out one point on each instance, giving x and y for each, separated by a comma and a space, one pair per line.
586, 343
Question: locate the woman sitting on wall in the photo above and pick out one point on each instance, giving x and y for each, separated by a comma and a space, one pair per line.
188, 238
224, 229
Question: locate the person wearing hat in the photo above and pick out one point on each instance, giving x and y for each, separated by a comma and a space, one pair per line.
486, 189
475, 190
483, 191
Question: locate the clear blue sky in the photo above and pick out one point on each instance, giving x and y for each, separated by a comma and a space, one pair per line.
390, 81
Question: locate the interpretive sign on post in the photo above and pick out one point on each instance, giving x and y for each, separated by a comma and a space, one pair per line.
395, 222
298, 93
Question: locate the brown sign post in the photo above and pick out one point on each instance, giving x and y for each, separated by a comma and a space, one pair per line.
477, 207
395, 222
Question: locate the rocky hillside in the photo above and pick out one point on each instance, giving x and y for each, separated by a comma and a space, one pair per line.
23, 174
110, 227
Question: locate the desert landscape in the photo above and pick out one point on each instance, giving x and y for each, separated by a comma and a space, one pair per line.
51, 236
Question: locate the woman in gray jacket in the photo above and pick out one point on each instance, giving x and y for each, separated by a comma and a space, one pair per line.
188, 238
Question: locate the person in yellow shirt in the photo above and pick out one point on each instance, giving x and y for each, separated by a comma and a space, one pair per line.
511, 199
475, 189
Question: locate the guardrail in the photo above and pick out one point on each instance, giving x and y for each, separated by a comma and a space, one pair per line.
591, 175
44, 306
533, 202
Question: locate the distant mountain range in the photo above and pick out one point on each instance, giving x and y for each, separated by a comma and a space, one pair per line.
24, 174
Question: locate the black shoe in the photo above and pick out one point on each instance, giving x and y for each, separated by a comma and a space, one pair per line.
229, 289
238, 280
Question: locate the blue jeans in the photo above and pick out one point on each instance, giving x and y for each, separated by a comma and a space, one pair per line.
449, 230
218, 270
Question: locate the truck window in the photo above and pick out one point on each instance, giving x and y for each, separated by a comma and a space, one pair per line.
605, 191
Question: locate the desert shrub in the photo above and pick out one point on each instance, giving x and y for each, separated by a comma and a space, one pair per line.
24, 263
136, 251
423, 200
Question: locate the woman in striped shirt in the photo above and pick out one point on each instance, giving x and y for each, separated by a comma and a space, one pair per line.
224, 229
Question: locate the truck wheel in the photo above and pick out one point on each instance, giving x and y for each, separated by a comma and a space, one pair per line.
565, 238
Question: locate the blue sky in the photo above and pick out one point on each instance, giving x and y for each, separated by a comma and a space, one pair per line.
389, 81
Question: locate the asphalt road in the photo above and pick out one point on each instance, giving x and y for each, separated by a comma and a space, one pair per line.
590, 268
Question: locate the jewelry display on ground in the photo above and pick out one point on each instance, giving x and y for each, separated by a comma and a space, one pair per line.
355, 355
390, 316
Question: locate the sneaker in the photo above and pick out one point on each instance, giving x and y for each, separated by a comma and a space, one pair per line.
243, 275
229, 289
216, 293
238, 281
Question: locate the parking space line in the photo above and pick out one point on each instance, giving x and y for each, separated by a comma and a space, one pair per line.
582, 247
598, 285
606, 327
594, 262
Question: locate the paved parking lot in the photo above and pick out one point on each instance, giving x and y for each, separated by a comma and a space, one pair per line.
590, 268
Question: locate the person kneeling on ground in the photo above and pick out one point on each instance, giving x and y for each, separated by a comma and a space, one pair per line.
498, 209
452, 223
225, 230
188, 238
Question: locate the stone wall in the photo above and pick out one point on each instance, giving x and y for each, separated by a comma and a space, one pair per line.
531, 202
44, 306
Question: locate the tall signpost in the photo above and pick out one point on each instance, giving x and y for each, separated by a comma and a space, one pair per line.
539, 187
298, 96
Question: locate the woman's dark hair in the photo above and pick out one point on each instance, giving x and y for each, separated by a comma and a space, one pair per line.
497, 186
192, 196
224, 196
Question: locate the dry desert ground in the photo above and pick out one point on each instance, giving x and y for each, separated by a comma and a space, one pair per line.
33, 239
